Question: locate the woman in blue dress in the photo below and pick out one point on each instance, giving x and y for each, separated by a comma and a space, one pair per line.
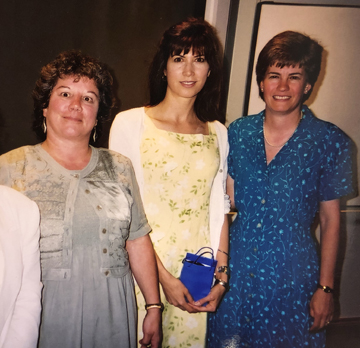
285, 165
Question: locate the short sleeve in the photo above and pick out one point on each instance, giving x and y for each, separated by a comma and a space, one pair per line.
139, 225
337, 174
232, 136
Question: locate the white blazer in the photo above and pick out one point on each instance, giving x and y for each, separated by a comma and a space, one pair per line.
20, 286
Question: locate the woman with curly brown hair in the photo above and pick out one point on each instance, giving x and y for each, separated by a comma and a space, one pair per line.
93, 226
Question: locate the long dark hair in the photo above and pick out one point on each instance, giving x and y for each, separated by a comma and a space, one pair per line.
199, 36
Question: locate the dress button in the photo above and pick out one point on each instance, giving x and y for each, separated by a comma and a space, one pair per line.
106, 273
255, 250
104, 250
251, 275
258, 225
103, 230
99, 207
250, 296
263, 201
220, 171
75, 176
87, 191
248, 320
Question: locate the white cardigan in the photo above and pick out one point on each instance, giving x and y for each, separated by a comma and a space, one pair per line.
20, 286
125, 137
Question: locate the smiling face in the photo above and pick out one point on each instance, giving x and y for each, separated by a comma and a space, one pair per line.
186, 74
283, 89
72, 109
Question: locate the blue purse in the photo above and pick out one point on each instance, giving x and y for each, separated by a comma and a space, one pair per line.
197, 273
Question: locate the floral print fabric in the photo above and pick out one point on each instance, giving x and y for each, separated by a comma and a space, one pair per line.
178, 171
273, 257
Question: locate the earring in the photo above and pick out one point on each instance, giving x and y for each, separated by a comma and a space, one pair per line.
262, 89
163, 77
209, 73
44, 125
94, 134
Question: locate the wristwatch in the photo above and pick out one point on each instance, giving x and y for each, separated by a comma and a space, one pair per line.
223, 283
325, 288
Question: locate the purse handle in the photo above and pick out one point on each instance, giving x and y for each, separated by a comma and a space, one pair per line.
200, 253
208, 251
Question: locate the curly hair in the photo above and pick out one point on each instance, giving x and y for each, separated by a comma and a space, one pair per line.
199, 36
290, 48
72, 63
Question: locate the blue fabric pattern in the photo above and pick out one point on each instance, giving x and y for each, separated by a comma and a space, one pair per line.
273, 256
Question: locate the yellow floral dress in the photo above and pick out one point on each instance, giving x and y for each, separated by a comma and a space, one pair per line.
179, 170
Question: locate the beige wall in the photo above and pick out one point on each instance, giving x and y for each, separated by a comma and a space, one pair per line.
217, 13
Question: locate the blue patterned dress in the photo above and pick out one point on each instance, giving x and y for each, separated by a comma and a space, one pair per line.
273, 256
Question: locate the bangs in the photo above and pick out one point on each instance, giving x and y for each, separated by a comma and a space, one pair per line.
291, 57
186, 44
287, 63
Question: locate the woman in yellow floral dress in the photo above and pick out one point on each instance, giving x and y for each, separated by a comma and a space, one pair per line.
179, 150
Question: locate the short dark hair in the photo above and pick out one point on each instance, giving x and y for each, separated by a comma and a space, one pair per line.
199, 36
290, 48
72, 63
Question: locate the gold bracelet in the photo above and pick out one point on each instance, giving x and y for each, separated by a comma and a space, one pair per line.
155, 305
223, 269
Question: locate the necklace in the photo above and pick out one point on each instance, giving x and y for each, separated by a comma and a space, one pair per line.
281, 145
272, 145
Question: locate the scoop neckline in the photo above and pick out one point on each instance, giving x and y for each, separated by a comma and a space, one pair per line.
211, 133
81, 172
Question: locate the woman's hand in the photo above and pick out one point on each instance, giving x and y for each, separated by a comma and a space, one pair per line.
217, 291
152, 329
175, 291
322, 303
321, 309
177, 294
145, 272
213, 300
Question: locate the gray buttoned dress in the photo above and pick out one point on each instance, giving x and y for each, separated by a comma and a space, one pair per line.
86, 218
